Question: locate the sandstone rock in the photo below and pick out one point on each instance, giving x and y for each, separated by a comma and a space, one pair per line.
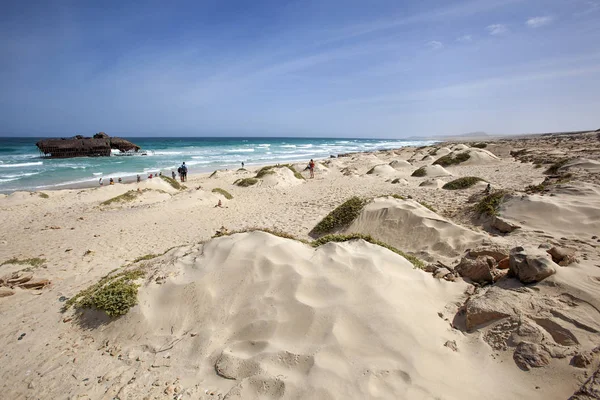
504, 263
560, 254
35, 284
489, 305
529, 355
17, 278
503, 225
5, 292
478, 269
530, 265
441, 273
498, 253
583, 360
590, 389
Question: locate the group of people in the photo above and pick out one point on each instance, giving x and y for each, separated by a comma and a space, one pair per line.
110, 182
183, 171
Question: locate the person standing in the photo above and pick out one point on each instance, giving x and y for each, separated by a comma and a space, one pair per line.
139, 178
173, 174
184, 171
311, 167
242, 164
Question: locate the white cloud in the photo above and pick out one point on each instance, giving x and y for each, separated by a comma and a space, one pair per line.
497, 29
435, 45
537, 22
465, 39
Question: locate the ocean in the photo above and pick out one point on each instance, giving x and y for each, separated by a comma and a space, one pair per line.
22, 167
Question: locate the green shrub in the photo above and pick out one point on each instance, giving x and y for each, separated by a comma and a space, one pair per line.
480, 145
246, 182
430, 208
273, 232
489, 204
553, 170
145, 258
264, 171
297, 174
34, 262
397, 180
434, 151
339, 218
421, 172
173, 182
113, 294
354, 236
213, 174
452, 159
43, 195
125, 197
223, 192
269, 170
397, 196
242, 169
462, 183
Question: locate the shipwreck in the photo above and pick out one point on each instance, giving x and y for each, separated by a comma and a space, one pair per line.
100, 145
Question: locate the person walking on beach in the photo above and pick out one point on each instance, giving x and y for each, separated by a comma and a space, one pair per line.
183, 172
242, 164
311, 167
139, 178
100, 182
173, 174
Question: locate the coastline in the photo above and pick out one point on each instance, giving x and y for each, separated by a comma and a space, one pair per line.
340, 320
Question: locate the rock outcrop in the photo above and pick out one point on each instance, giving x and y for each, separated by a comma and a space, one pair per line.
530, 265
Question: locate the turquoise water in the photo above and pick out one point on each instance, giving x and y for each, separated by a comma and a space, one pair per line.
23, 168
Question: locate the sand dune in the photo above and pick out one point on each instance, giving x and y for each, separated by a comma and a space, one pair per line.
400, 165
410, 226
279, 319
573, 210
434, 171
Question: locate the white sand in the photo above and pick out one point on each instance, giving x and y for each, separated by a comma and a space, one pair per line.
277, 318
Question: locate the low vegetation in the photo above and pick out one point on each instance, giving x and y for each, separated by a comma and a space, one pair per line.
242, 169
114, 294
123, 198
269, 170
223, 192
354, 236
34, 262
462, 183
264, 171
246, 182
339, 218
43, 195
434, 151
490, 204
452, 159
427, 206
479, 145
213, 174
421, 172
145, 258
554, 168
273, 232
397, 180
548, 183
173, 182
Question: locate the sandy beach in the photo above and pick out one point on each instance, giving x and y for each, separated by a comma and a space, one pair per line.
498, 297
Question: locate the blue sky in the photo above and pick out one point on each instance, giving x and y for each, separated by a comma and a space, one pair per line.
299, 68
